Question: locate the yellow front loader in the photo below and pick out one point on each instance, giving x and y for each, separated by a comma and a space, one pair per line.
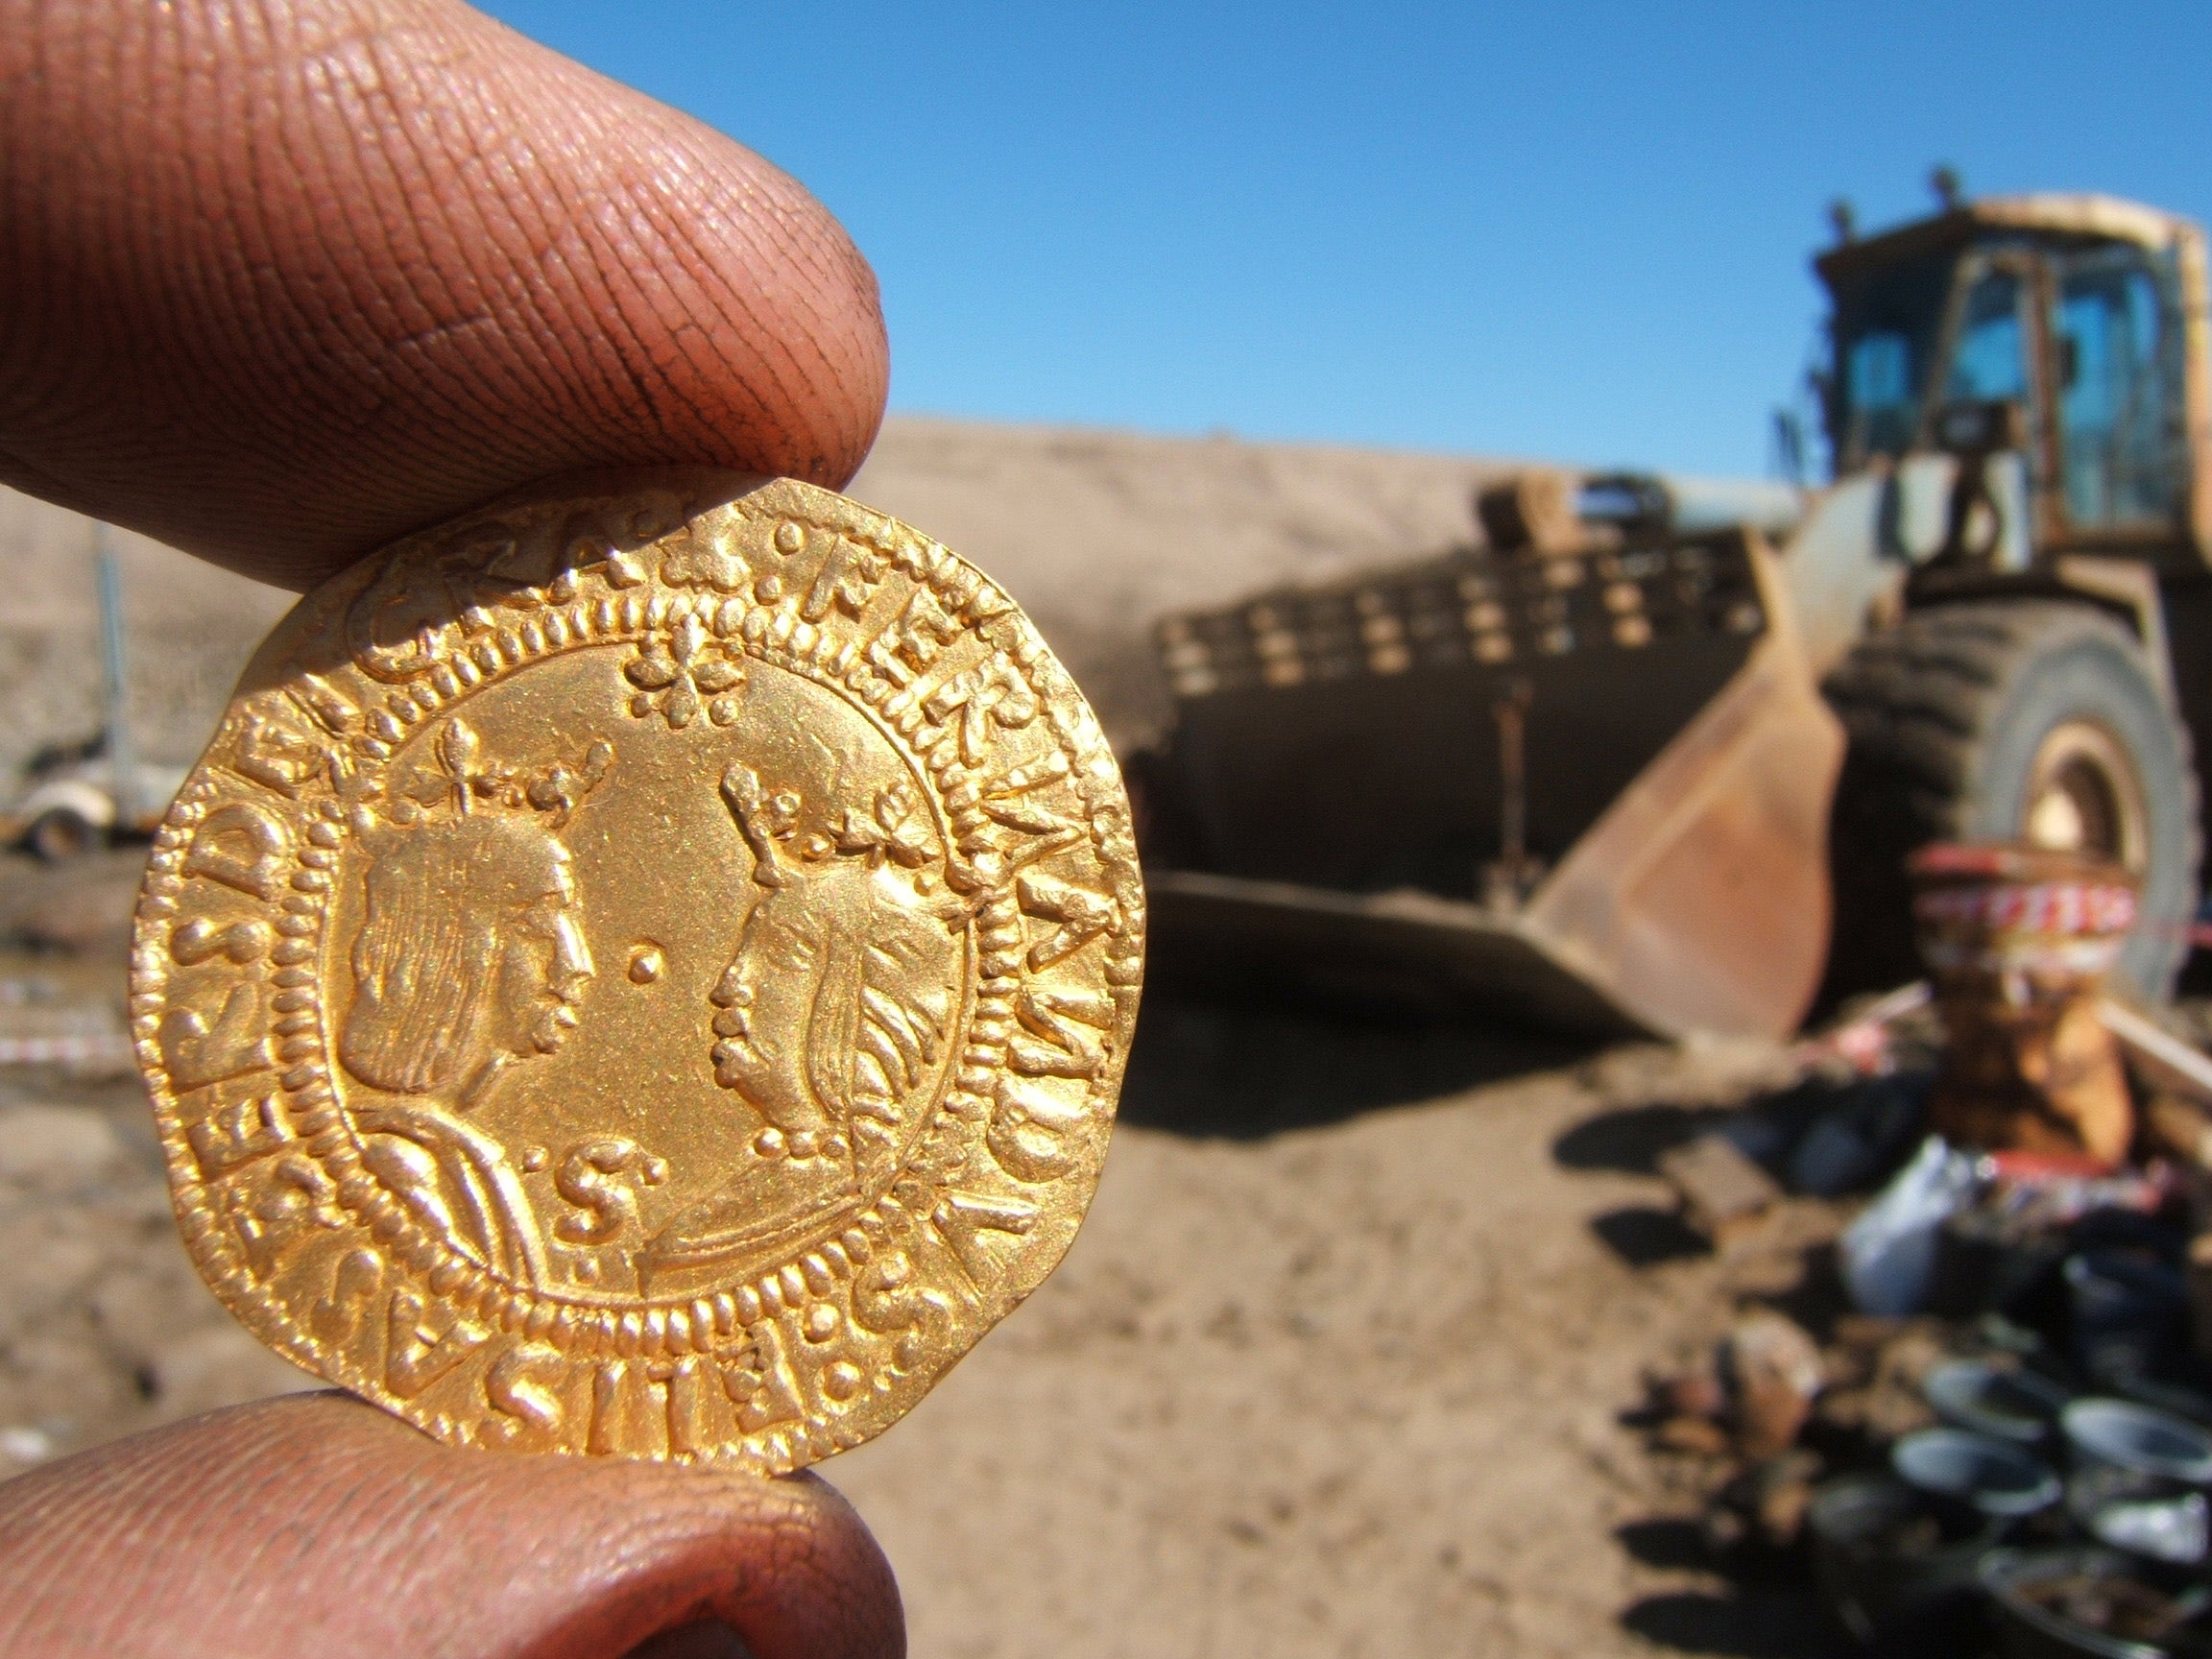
1649, 757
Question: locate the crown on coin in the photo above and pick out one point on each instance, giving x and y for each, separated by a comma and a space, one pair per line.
892, 830
461, 781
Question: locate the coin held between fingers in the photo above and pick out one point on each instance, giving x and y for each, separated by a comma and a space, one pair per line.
645, 970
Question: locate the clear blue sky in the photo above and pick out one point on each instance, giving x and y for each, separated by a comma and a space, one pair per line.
1571, 229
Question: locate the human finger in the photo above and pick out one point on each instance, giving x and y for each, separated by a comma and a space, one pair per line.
288, 278
316, 1524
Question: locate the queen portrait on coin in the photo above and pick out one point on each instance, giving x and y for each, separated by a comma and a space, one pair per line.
833, 1009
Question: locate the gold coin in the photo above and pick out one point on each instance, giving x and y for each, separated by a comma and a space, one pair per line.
642, 971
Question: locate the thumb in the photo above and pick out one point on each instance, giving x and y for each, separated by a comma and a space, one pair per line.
315, 1523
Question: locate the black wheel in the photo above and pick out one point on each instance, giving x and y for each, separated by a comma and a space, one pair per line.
2021, 720
58, 834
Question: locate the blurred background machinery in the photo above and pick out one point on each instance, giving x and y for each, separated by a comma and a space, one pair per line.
1619, 767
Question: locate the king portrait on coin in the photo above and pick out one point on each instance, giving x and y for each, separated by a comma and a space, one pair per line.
642, 971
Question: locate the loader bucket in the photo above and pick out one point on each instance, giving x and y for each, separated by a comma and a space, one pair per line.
1589, 790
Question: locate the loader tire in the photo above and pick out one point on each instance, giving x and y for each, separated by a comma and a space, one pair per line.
2019, 720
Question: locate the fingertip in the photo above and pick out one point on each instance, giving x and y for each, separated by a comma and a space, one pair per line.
290, 281
373, 1539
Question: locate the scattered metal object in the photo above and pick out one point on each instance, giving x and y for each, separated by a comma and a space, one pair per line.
2006, 1402
1772, 1371
1995, 594
1896, 1564
1724, 1195
72, 796
1991, 1259
1512, 876
2082, 1603
63, 802
2129, 1314
2138, 1477
2001, 1480
2018, 940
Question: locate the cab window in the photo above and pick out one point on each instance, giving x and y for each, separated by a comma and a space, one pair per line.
1990, 363
1877, 380
1886, 328
2119, 396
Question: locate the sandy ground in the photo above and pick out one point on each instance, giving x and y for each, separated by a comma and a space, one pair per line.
1349, 1387
1335, 1368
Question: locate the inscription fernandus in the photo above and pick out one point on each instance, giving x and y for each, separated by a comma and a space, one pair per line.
642, 972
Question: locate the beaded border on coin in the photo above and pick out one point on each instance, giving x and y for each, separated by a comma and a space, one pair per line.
991, 1191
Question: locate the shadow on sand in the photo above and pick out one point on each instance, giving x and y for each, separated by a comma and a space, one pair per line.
1768, 1614
1629, 1138
1244, 1070
1752, 1621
